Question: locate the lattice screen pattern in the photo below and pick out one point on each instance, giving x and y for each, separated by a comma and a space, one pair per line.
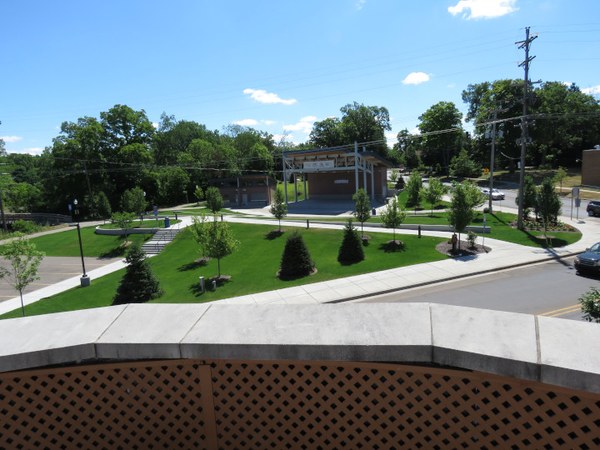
288, 405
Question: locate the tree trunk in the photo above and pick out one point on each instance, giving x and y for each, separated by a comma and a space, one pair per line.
22, 304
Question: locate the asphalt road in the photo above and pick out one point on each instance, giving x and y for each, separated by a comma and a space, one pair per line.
550, 289
52, 270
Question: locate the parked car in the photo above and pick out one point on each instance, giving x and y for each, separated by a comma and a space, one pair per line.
496, 194
589, 261
593, 208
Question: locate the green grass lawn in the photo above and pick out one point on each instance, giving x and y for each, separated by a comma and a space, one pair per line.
252, 268
66, 243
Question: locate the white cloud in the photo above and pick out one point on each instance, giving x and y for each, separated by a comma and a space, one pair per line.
483, 9
9, 139
360, 4
593, 90
246, 122
416, 78
155, 125
304, 125
268, 122
262, 96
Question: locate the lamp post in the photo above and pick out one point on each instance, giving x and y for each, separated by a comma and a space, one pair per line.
84, 280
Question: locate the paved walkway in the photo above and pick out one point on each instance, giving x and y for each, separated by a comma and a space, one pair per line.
503, 255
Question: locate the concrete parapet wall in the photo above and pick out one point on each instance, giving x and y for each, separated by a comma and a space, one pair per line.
122, 232
508, 344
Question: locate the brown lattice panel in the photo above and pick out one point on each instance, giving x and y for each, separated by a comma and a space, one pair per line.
311, 406
129, 406
288, 405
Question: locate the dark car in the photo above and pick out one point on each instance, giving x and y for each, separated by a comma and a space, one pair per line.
589, 261
593, 208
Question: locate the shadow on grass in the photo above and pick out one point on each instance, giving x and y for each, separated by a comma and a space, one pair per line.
193, 265
115, 252
273, 234
393, 246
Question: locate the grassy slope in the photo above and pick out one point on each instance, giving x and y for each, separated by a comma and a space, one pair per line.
252, 267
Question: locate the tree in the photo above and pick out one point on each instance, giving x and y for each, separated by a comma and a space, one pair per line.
559, 176
590, 305
199, 194
278, 207
134, 201
362, 208
102, 205
548, 204
124, 221
439, 148
463, 166
434, 192
351, 251
139, 284
392, 217
199, 230
327, 133
214, 200
413, 188
465, 198
22, 197
2, 147
529, 196
359, 123
219, 242
24, 260
296, 261
173, 184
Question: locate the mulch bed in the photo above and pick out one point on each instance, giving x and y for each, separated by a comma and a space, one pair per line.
446, 249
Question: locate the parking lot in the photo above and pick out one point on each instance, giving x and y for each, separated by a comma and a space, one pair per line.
52, 270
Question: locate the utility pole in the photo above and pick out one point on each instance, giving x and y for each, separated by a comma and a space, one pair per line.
524, 131
493, 155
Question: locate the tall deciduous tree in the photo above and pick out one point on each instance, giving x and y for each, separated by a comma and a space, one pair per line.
24, 260
362, 208
134, 201
359, 123
440, 148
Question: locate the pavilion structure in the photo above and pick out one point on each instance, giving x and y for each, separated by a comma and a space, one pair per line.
337, 172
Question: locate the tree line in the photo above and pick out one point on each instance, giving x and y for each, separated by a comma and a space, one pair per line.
99, 159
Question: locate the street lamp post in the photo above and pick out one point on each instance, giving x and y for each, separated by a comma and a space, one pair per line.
85, 279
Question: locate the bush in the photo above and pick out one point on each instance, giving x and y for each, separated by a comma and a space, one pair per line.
351, 251
471, 238
139, 283
25, 227
296, 261
590, 305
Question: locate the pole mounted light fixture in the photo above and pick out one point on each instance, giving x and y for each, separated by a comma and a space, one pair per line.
85, 279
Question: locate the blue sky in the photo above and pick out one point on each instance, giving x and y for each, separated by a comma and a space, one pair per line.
274, 65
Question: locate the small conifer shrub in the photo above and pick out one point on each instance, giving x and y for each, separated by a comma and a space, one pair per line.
296, 261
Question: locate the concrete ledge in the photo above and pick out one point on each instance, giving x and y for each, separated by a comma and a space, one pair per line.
553, 351
122, 232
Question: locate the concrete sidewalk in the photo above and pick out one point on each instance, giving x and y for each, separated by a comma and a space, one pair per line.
503, 255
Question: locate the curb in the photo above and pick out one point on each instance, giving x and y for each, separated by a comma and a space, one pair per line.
452, 278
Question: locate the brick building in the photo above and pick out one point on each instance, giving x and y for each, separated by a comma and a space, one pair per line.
590, 167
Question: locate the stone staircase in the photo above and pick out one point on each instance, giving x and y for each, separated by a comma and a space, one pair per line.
161, 238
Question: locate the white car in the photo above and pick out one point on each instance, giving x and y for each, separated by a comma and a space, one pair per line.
496, 194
